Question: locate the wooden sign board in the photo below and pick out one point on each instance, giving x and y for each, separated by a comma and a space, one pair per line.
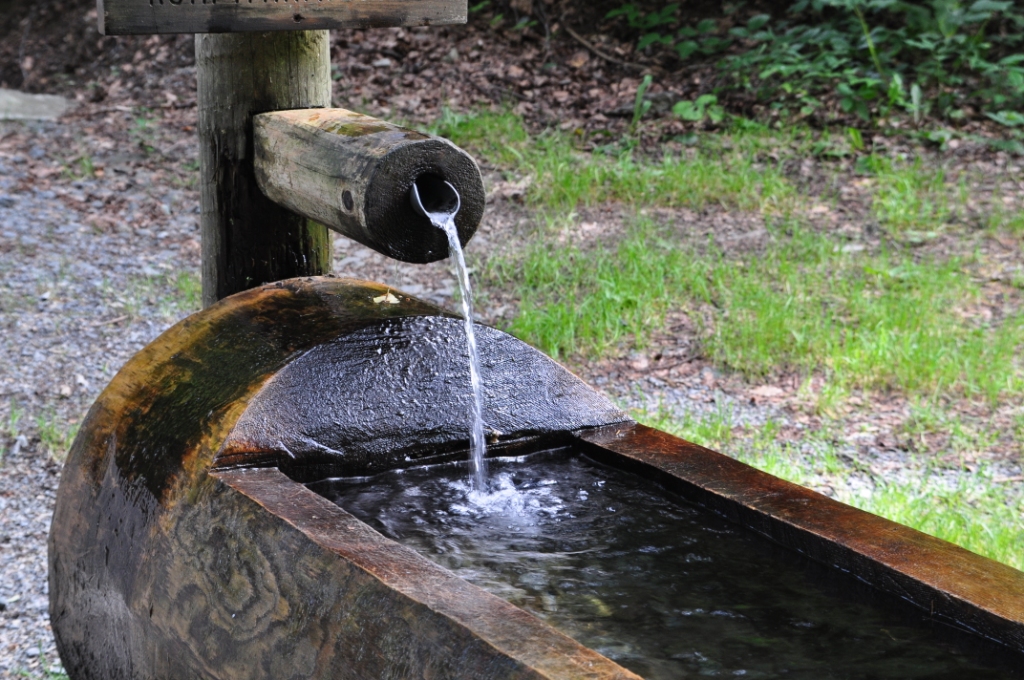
131, 17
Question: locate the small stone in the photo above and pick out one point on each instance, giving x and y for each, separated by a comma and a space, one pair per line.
7, 201
384, 62
16, 105
639, 362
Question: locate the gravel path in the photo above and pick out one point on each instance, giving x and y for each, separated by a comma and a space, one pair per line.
82, 290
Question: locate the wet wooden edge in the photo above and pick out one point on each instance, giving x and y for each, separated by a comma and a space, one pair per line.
952, 584
510, 631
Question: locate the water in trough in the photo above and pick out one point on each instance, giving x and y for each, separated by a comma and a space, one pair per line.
660, 586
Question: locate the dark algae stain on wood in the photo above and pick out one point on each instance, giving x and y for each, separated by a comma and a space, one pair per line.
121, 17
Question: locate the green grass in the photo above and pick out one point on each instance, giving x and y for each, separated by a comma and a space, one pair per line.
878, 321
563, 177
911, 197
875, 321
46, 674
11, 428
55, 435
172, 294
14, 415
574, 301
872, 321
976, 512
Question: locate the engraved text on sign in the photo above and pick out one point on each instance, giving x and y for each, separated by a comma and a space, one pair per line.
127, 17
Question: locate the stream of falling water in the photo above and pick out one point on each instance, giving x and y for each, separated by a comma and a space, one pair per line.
477, 444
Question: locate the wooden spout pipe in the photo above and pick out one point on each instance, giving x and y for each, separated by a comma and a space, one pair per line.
353, 173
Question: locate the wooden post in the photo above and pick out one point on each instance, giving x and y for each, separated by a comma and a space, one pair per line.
247, 239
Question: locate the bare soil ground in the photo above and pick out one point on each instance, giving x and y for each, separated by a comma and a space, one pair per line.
98, 216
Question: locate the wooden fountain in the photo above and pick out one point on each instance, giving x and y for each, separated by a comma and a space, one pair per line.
184, 543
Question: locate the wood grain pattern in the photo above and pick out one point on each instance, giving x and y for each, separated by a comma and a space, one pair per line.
126, 17
247, 239
354, 172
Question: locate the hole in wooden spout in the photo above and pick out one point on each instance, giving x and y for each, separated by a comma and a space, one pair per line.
432, 196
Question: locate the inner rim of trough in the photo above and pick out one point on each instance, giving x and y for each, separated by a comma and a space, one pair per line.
837, 585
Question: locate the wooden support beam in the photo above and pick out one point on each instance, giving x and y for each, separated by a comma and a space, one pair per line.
247, 239
354, 173
127, 17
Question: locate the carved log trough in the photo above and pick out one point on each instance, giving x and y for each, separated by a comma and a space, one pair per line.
184, 544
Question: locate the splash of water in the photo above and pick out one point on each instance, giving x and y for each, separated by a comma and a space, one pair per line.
440, 207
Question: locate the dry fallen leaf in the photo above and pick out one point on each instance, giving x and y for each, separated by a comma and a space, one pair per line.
768, 391
579, 60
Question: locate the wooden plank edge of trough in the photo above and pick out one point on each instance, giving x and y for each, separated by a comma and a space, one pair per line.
513, 639
953, 585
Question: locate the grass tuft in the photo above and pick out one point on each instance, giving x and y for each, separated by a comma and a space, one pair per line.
564, 177
55, 435
872, 321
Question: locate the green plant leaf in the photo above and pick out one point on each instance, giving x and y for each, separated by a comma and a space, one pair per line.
856, 139
989, 6
1007, 118
706, 26
650, 39
688, 111
686, 48
757, 22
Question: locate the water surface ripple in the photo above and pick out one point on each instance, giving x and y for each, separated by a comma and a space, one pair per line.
663, 588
